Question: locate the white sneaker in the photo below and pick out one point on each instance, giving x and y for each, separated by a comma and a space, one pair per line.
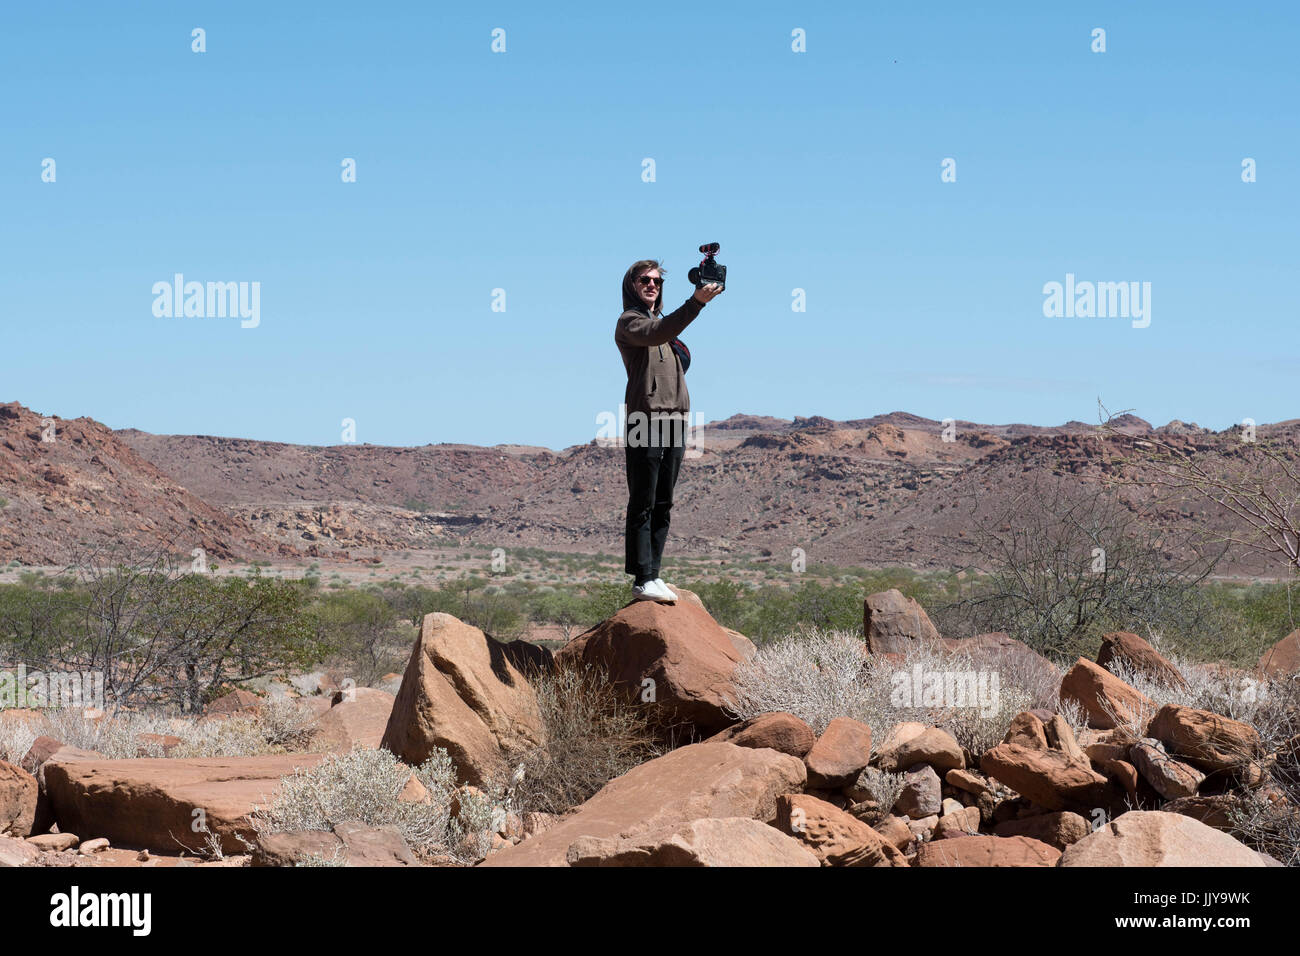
653, 591
663, 584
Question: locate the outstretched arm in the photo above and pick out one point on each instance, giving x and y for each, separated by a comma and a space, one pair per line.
638, 329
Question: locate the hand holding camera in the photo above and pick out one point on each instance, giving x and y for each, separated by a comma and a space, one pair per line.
709, 277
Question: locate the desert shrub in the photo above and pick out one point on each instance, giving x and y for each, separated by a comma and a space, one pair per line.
16, 738
360, 632
1059, 565
1260, 702
602, 600
156, 632
412, 603
765, 613
564, 609
275, 728
117, 738
314, 859
1268, 818
1075, 714
885, 787
364, 785
593, 734
978, 730
820, 675
815, 675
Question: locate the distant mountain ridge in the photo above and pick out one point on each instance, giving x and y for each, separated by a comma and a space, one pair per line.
879, 490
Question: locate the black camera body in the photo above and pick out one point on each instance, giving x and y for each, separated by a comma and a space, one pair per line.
709, 270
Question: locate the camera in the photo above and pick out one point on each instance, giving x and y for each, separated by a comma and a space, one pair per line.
709, 269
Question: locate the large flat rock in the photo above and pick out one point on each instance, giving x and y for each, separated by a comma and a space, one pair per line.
708, 780
1156, 838
150, 803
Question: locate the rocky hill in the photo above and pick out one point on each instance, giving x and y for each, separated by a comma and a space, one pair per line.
892, 489
73, 485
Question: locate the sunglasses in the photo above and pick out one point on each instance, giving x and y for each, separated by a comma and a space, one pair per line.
646, 280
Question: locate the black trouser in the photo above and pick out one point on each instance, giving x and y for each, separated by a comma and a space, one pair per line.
651, 475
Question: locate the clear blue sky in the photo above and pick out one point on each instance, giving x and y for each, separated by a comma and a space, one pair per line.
522, 171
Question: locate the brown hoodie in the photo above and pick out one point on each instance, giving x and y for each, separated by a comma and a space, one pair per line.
655, 382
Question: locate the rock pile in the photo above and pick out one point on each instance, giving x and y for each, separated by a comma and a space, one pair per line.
1141, 785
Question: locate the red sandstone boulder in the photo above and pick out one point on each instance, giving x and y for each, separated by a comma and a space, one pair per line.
1139, 656
934, 746
461, 693
968, 851
1047, 777
893, 623
150, 803
1096, 690
1156, 838
1026, 730
350, 843
839, 755
358, 717
835, 837
16, 853
1283, 658
236, 702
1059, 829
1205, 739
698, 781
17, 800
779, 731
731, 841
674, 658
1169, 777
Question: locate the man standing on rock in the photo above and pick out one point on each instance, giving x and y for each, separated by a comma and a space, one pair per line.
657, 408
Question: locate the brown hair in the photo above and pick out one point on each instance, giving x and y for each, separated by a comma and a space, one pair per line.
632, 301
